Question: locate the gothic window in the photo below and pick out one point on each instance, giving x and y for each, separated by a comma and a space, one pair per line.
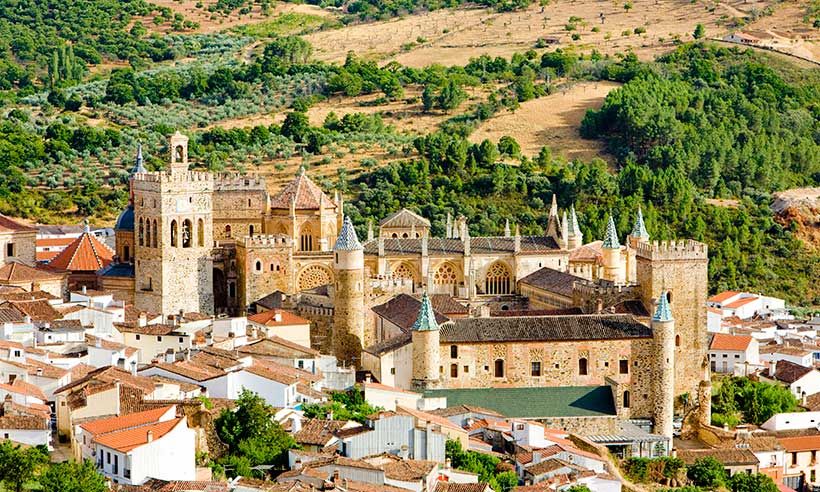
155, 235
200, 232
394, 236
404, 271
179, 153
141, 233
314, 276
445, 275
497, 280
582, 366
499, 368
404, 236
626, 399
231, 289
126, 253
186, 233
148, 233
228, 230
249, 203
306, 239
174, 232
453, 370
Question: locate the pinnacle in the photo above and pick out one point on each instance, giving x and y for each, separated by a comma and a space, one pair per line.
639, 230
663, 312
427, 317
347, 240
611, 238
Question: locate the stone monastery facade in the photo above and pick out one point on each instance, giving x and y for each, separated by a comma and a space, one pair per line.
195, 241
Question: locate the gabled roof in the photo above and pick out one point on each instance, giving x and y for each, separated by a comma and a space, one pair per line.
15, 271
789, 372
724, 341
727, 456
278, 347
23, 388
552, 281
403, 311
103, 426
38, 310
306, 194
723, 296
107, 375
544, 328
23, 422
7, 224
286, 318
129, 439
404, 218
85, 254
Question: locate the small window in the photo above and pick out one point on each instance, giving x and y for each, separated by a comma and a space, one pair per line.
623, 366
258, 266
626, 399
535, 368
300, 364
159, 339
453, 370
677, 340
454, 351
393, 371
10, 249
181, 340
499, 368
737, 356
486, 368
137, 336
582, 366
466, 369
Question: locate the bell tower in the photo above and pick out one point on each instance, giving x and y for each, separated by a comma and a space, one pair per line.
173, 222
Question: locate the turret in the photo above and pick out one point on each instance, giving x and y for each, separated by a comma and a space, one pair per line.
663, 332
179, 153
575, 238
507, 228
611, 252
348, 315
425, 333
638, 234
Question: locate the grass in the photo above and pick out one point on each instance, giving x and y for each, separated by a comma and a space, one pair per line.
289, 23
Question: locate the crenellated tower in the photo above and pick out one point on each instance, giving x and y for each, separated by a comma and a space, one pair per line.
174, 236
348, 315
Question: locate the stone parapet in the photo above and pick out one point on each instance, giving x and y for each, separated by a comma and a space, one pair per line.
688, 249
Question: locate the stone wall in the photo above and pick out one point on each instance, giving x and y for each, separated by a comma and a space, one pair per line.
584, 426
239, 204
263, 267
348, 318
23, 247
559, 367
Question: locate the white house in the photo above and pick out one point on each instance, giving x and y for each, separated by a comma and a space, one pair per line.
802, 381
163, 450
733, 354
745, 305
103, 353
388, 397
797, 355
85, 433
230, 333
28, 430
283, 324
60, 332
154, 341
792, 421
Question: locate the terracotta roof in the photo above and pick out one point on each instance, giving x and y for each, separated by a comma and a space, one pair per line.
719, 298
192, 370
548, 466
403, 311
268, 318
428, 417
740, 302
42, 369
129, 439
39, 310
446, 304
151, 330
789, 372
15, 271
156, 485
23, 388
85, 254
727, 456
464, 409
544, 328
103, 426
385, 387
109, 375
278, 347
318, 432
183, 386
306, 194
723, 341
800, 443
588, 252
80, 371
460, 487
785, 350
91, 340
552, 281
53, 241
408, 470
7, 224
23, 422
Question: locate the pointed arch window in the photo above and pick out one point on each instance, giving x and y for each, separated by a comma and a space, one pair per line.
174, 233
498, 279
306, 238
141, 233
155, 235
186, 233
200, 233
626, 399
227, 230
148, 233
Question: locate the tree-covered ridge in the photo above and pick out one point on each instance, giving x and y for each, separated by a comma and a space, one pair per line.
721, 117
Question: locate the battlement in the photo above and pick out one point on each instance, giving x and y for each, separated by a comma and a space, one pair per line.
168, 177
238, 182
687, 249
602, 288
265, 241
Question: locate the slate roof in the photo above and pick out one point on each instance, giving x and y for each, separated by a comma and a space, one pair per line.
306, 193
544, 328
611, 237
551, 280
426, 320
85, 254
535, 402
404, 218
118, 270
125, 222
663, 312
446, 304
347, 240
403, 311
448, 246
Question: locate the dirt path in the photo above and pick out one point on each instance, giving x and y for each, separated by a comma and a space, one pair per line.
552, 121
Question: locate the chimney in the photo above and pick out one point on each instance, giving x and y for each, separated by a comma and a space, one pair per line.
335, 475
84, 289
296, 424
97, 342
134, 367
803, 399
27, 319
143, 319
39, 371
367, 378
277, 317
772, 367
150, 436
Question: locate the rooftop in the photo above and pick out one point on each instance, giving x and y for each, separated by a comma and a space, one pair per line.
278, 317
129, 439
551, 281
304, 193
724, 341
404, 218
535, 402
448, 246
85, 254
403, 311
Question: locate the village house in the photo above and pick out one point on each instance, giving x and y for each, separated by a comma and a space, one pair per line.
283, 324
734, 354
27, 425
802, 381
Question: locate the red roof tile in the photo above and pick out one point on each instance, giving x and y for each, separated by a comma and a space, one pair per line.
268, 318
724, 341
103, 426
718, 298
800, 443
306, 194
18, 272
129, 439
740, 302
8, 224
85, 254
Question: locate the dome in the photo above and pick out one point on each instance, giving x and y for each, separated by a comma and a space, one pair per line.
125, 222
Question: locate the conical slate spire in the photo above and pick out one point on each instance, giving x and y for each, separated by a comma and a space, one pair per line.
611, 238
139, 166
554, 206
347, 240
573, 229
639, 230
663, 312
427, 317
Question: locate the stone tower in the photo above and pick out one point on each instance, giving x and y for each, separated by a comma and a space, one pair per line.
611, 252
174, 237
681, 269
426, 353
663, 333
575, 238
348, 315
